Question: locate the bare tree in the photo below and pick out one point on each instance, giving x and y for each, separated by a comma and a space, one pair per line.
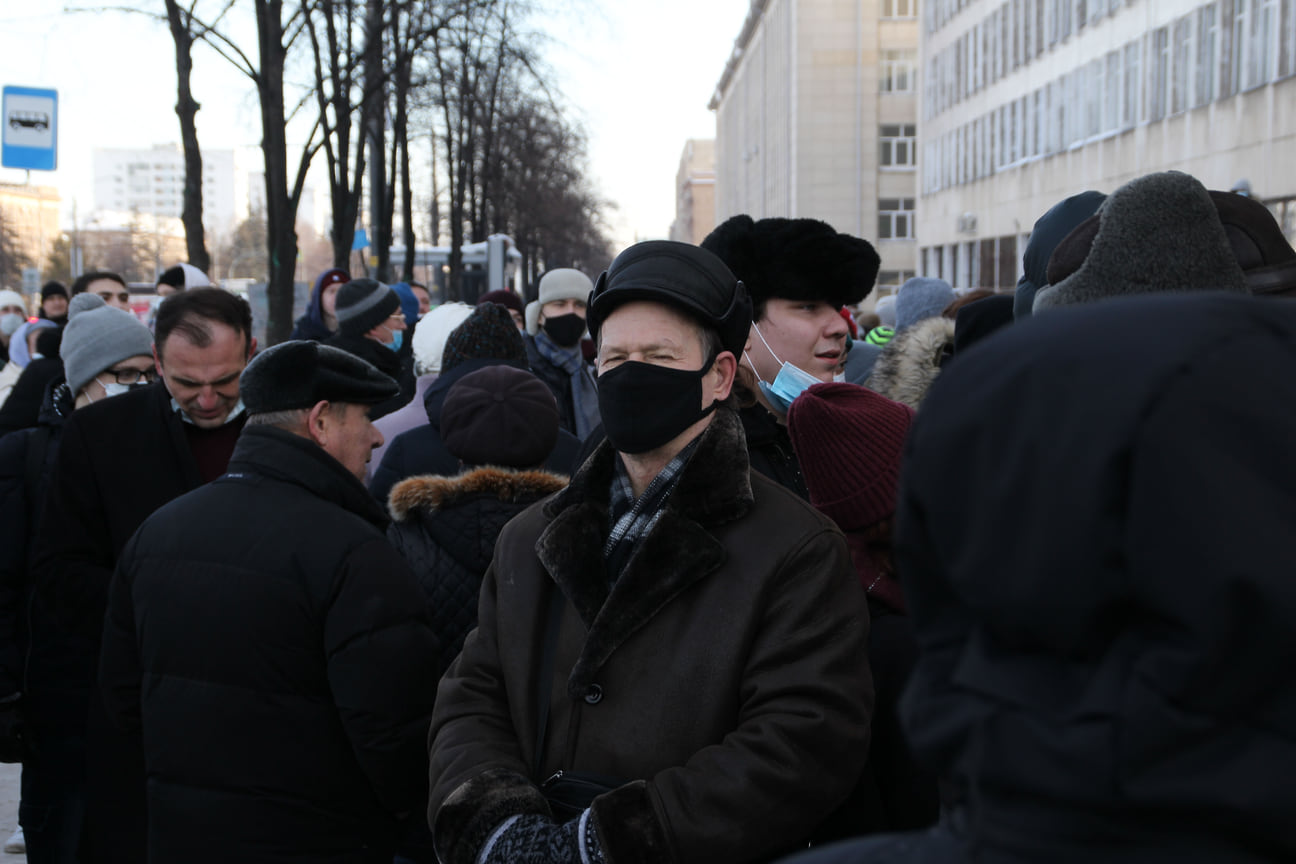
181, 22
276, 36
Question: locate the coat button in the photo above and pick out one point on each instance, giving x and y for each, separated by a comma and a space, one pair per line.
593, 694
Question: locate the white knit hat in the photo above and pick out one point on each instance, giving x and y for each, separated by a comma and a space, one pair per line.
431, 334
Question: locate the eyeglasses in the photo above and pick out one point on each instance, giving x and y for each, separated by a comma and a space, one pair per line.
133, 376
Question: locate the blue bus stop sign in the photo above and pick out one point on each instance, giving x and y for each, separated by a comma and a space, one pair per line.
30, 135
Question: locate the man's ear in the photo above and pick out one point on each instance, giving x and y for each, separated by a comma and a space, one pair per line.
319, 422
251, 348
157, 363
727, 365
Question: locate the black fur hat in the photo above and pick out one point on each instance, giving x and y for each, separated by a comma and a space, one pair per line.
795, 259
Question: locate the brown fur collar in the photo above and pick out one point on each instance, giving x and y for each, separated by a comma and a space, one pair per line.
431, 492
715, 488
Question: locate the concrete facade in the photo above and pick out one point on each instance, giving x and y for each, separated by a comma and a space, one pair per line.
1026, 102
816, 116
695, 211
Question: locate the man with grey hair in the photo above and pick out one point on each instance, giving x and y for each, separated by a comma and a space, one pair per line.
271, 643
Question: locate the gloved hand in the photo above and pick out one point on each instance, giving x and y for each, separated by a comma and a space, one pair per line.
12, 746
534, 839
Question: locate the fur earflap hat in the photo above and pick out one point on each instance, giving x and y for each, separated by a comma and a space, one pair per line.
1157, 233
795, 259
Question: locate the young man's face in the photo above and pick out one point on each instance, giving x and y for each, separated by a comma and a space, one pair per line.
112, 292
54, 306
204, 380
810, 335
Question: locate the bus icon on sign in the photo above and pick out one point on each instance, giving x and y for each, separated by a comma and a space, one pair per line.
37, 120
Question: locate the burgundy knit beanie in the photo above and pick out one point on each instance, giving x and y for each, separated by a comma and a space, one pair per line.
848, 441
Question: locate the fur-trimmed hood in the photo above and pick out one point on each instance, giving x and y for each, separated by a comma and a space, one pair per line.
910, 362
436, 493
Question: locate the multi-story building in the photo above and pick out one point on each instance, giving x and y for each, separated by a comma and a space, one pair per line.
32, 214
816, 115
1026, 102
695, 211
151, 183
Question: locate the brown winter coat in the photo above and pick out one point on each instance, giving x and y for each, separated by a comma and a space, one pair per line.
730, 664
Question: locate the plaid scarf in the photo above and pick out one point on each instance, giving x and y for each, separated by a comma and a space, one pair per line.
632, 519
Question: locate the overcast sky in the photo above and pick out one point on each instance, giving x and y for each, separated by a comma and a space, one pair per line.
638, 75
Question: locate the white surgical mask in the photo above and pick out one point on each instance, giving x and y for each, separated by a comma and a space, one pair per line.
112, 388
10, 322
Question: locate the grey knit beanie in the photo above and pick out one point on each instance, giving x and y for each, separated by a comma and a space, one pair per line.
919, 299
97, 337
363, 304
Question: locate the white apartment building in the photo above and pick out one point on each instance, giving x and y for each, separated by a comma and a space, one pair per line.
1026, 102
816, 116
150, 182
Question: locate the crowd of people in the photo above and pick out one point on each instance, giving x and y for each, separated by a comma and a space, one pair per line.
691, 562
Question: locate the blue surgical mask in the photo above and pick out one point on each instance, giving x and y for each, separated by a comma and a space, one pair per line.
397, 339
790, 382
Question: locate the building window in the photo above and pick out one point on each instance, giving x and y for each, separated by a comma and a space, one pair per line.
895, 218
899, 8
1207, 61
896, 146
891, 280
899, 71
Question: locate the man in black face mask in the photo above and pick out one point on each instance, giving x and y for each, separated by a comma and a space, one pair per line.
670, 661
555, 323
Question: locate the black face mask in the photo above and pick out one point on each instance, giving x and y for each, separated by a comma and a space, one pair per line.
565, 330
645, 406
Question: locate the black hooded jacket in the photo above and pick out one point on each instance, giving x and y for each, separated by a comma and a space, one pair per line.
275, 650
1094, 532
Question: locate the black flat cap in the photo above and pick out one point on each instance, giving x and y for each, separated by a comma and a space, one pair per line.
681, 275
298, 374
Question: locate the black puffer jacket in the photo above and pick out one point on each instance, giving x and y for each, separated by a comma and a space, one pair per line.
275, 650
446, 528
